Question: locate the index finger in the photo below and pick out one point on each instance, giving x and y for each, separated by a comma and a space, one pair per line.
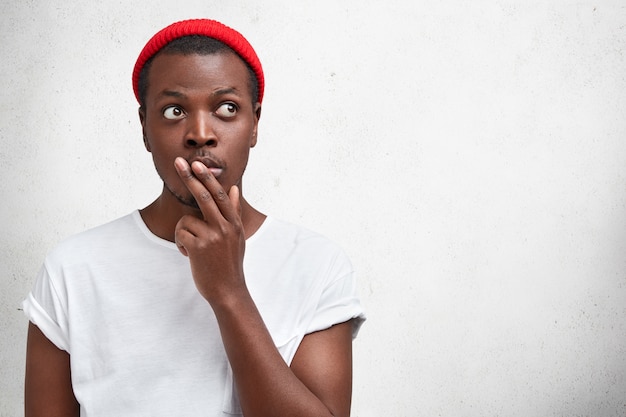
209, 194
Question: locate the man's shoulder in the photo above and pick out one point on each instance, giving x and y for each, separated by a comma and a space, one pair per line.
297, 239
96, 239
275, 228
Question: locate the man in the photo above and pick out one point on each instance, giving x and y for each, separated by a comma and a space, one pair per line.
159, 313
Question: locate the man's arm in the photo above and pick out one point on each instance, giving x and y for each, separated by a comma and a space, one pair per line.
323, 362
319, 383
48, 384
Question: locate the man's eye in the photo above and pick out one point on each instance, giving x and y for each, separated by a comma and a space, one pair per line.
226, 110
173, 113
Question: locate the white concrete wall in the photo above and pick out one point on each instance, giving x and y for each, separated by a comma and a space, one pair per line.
470, 157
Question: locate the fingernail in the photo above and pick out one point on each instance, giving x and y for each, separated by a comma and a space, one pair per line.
198, 167
179, 163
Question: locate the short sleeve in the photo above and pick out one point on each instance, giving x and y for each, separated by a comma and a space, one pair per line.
339, 303
46, 308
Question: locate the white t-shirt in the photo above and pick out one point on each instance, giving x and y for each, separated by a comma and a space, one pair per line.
142, 341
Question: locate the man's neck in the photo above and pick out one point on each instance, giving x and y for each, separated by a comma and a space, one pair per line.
162, 215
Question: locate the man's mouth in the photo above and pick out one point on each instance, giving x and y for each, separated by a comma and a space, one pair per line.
214, 166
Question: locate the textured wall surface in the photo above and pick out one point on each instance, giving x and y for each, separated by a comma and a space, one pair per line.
469, 156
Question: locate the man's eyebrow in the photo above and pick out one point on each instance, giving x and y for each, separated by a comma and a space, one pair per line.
218, 92
224, 91
171, 93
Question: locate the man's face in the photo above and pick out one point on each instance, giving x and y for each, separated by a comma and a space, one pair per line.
199, 107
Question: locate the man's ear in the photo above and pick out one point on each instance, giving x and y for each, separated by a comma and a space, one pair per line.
257, 114
142, 120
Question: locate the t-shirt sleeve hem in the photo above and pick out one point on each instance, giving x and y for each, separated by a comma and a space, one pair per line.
38, 316
339, 314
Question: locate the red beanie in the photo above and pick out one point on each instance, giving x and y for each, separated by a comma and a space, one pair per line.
203, 27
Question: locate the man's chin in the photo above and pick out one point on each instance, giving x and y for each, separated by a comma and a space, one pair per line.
188, 201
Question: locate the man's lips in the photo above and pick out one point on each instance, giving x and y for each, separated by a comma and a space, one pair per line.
213, 166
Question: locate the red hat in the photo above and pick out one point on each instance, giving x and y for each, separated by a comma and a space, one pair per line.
204, 27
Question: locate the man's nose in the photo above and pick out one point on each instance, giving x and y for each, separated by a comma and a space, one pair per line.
200, 132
